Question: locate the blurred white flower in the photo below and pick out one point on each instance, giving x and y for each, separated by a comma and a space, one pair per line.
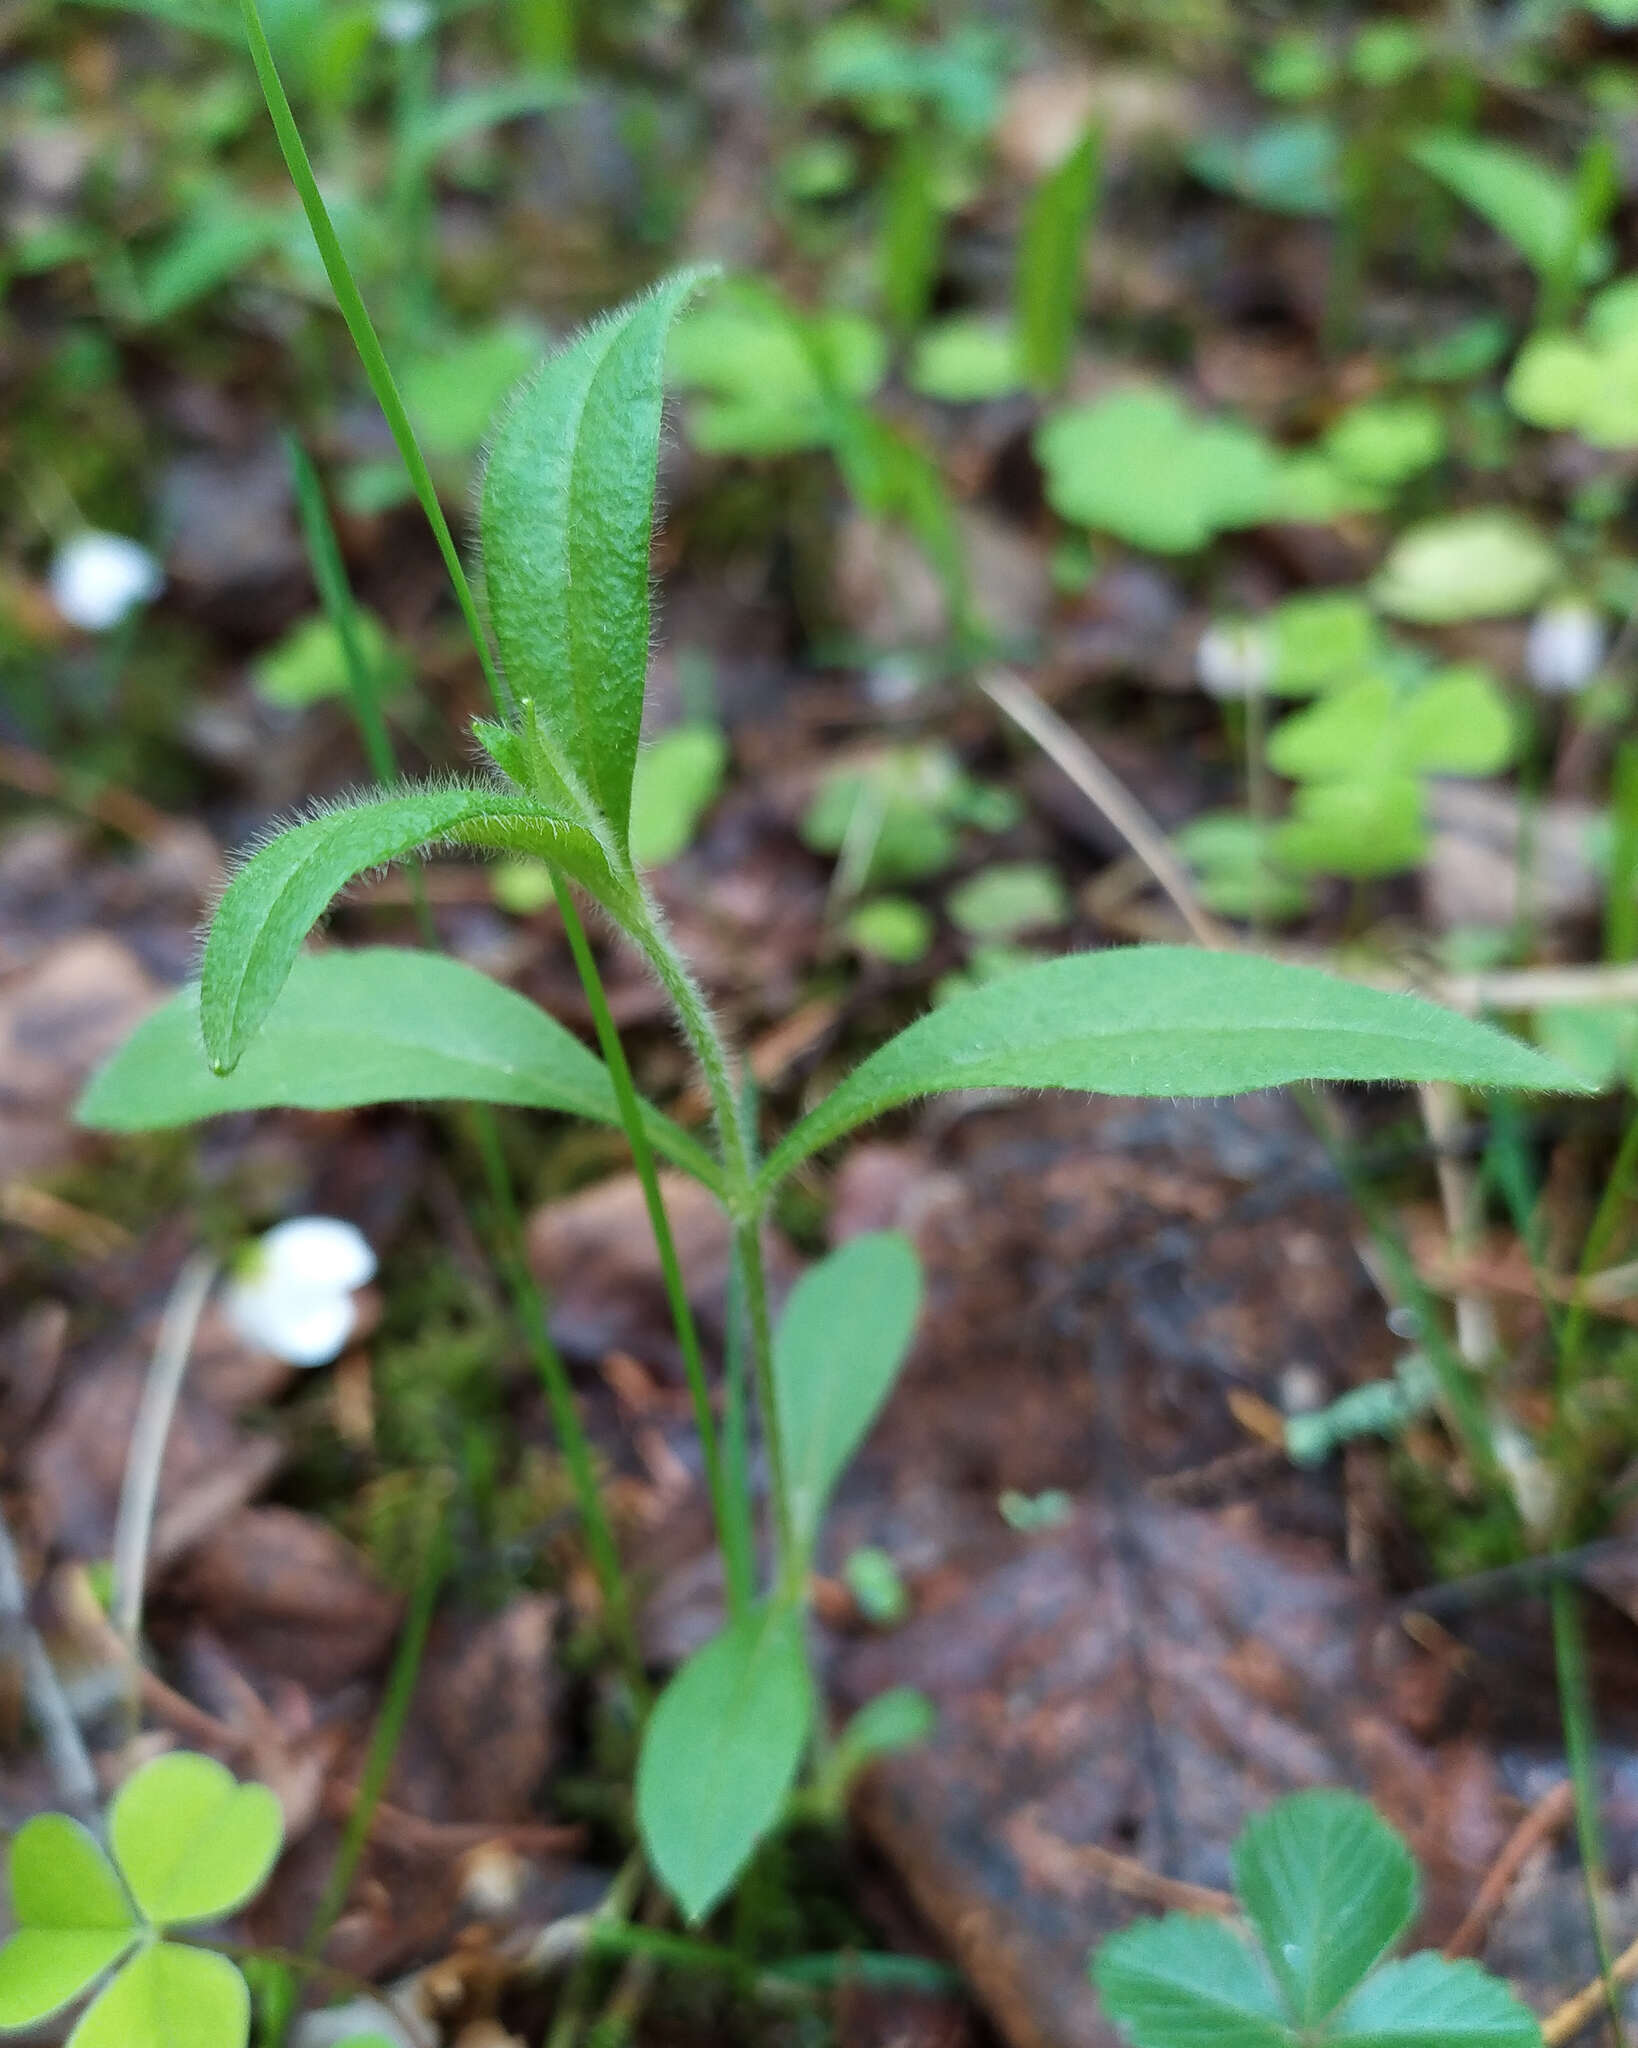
402, 21
1233, 659
1565, 648
97, 578
293, 1292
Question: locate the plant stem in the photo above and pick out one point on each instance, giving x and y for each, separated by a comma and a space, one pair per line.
1581, 1747
67, 1758
642, 1152
788, 1561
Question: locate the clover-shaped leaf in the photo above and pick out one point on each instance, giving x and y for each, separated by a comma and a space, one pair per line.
191, 1842
1328, 1887
169, 1996
74, 1920
1471, 565
1138, 465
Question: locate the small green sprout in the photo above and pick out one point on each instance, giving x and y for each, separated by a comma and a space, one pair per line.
189, 1844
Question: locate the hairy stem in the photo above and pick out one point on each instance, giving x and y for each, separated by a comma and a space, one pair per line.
788, 1558
682, 1314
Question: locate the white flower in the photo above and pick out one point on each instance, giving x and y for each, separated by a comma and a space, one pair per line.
403, 21
1233, 659
293, 1293
97, 578
1565, 647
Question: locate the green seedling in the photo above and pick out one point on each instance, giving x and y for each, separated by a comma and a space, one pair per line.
872, 1577
894, 929
1290, 165
190, 1845
769, 378
1237, 868
565, 515
1554, 222
1384, 442
1328, 1889
310, 663
1585, 383
899, 816
1008, 900
894, 80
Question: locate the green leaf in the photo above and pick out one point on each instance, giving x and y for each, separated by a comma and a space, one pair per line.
1188, 1982
1426, 2002
351, 1028
281, 892
965, 359
169, 1997
566, 513
891, 928
1009, 898
1386, 441
1137, 465
838, 1349
452, 389
1329, 1887
1166, 1020
720, 1755
1469, 565
73, 1919
1373, 826
1534, 207
774, 377
676, 781
191, 1841
310, 662
1049, 261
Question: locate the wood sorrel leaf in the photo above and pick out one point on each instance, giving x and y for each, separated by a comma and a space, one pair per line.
839, 1346
1427, 2002
281, 892
720, 1754
169, 1997
1188, 1982
1329, 1887
191, 1841
1166, 1020
566, 514
73, 1919
386, 1025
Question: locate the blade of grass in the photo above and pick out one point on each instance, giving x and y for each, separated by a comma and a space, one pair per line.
1581, 1748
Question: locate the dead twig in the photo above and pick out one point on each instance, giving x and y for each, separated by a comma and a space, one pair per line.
1103, 788
1564, 2022
1549, 1814
72, 1771
1070, 1866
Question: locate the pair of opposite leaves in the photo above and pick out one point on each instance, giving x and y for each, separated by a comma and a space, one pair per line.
190, 1844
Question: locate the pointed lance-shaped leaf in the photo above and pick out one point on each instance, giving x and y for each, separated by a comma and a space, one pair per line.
567, 513
380, 1025
1166, 1020
282, 891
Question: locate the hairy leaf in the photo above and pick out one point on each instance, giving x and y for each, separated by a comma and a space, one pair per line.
1329, 1887
384, 1025
73, 1919
838, 1350
1166, 1020
720, 1754
281, 892
191, 1841
566, 515
1188, 1982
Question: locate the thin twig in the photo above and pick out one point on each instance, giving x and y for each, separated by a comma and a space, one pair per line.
1540, 1824
1565, 2021
133, 1525
72, 1771
1103, 788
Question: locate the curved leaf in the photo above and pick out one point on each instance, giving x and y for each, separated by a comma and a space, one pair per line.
170, 1997
191, 1841
1329, 1887
73, 1919
567, 511
838, 1350
1166, 1020
721, 1752
1426, 2002
385, 1025
282, 891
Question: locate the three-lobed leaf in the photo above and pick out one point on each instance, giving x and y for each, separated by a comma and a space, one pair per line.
721, 1752
1329, 1887
74, 1920
838, 1349
566, 515
383, 1025
191, 1841
283, 890
1189, 1982
1166, 1020
169, 1996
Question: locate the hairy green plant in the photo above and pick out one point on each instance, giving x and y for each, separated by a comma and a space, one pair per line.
565, 515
